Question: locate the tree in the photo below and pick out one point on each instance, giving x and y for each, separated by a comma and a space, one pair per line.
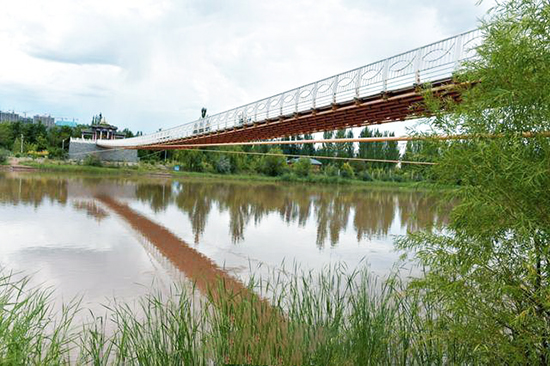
6, 135
388, 150
340, 148
350, 149
274, 164
302, 167
490, 269
327, 148
308, 149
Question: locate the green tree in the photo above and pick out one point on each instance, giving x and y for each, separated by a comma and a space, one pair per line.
388, 150
490, 269
274, 164
308, 149
302, 167
6, 137
223, 165
328, 148
340, 148
191, 160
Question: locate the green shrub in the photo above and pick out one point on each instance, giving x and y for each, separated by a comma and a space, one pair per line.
365, 176
331, 170
4, 156
274, 165
347, 171
223, 165
92, 160
302, 167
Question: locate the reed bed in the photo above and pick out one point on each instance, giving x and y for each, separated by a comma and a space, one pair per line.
294, 318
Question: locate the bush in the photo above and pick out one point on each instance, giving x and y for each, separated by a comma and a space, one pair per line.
274, 165
347, 171
92, 160
365, 176
331, 170
302, 167
4, 156
57, 153
223, 166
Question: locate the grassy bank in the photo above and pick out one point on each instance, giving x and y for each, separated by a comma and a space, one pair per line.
328, 319
152, 170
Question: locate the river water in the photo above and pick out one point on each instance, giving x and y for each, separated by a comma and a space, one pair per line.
105, 238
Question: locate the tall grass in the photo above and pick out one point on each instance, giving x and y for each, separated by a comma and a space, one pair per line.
31, 332
328, 318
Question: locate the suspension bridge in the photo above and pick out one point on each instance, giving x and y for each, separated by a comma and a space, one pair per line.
385, 91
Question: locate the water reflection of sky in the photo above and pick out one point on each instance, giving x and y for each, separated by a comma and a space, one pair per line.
53, 226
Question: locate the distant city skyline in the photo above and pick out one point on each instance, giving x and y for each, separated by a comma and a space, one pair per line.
154, 64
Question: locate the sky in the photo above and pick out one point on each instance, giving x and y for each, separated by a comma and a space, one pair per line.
150, 64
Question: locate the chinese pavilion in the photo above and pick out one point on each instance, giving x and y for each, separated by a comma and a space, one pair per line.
101, 130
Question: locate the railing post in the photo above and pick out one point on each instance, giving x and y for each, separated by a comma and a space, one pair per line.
458, 51
314, 95
267, 108
296, 97
281, 101
358, 81
335, 89
385, 75
417, 65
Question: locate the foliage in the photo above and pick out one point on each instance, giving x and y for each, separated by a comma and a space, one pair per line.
57, 153
490, 270
331, 170
191, 160
4, 154
302, 167
223, 166
36, 136
365, 176
274, 165
92, 160
328, 318
347, 171
387, 150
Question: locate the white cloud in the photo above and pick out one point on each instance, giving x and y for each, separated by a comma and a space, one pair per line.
149, 64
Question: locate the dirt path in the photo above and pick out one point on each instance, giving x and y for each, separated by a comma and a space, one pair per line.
15, 166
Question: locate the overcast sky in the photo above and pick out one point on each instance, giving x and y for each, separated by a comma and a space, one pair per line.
150, 64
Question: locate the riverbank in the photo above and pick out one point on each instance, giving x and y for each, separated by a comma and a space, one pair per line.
322, 323
167, 172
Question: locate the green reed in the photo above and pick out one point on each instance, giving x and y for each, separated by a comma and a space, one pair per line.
328, 318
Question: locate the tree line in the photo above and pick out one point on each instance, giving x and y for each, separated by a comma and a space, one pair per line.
35, 139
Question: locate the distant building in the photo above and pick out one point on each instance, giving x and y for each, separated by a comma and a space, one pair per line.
12, 117
47, 121
62, 123
315, 164
9, 117
101, 130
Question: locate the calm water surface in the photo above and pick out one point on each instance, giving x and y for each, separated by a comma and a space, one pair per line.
58, 228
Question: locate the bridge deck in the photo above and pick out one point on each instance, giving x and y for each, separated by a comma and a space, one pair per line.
384, 91
383, 108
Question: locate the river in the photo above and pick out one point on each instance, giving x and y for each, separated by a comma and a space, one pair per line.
105, 238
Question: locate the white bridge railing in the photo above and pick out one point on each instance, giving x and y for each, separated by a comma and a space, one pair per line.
430, 63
